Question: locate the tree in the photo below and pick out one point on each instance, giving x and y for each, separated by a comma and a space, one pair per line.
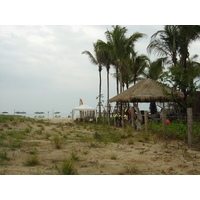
121, 48
96, 60
134, 66
164, 43
106, 51
188, 81
155, 69
174, 41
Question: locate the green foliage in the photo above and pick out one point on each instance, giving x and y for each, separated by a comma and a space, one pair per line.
74, 156
31, 160
5, 118
129, 130
67, 168
175, 130
3, 157
113, 157
57, 142
107, 137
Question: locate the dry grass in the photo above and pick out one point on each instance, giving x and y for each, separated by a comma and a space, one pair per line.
30, 146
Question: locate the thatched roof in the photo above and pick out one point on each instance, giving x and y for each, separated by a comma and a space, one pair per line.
147, 90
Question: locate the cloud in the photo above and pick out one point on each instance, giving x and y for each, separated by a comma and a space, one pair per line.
42, 67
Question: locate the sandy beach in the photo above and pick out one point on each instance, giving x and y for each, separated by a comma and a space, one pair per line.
59, 120
35, 146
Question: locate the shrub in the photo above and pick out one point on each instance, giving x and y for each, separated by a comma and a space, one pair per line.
67, 168
57, 142
74, 156
31, 161
113, 157
3, 157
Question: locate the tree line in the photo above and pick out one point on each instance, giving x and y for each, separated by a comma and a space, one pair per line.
174, 64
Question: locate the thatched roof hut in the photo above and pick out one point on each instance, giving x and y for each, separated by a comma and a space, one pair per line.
148, 90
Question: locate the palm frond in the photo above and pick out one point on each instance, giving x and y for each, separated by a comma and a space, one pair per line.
91, 57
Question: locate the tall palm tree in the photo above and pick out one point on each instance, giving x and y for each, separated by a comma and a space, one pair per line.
174, 41
106, 51
121, 48
164, 43
134, 66
186, 35
96, 60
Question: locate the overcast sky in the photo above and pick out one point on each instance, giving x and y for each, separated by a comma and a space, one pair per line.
42, 68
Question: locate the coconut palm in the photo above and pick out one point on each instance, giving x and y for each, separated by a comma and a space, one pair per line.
174, 41
121, 48
155, 69
165, 43
96, 60
106, 51
134, 66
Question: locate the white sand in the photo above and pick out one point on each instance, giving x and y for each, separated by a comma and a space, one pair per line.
59, 120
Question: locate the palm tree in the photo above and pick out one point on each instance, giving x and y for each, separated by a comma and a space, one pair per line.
155, 72
188, 81
155, 69
174, 41
134, 66
96, 60
121, 48
105, 49
164, 43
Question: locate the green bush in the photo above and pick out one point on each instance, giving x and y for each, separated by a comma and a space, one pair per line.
67, 168
31, 160
175, 130
57, 142
3, 157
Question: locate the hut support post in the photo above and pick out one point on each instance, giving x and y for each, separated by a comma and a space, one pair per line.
164, 126
133, 117
190, 126
146, 121
123, 125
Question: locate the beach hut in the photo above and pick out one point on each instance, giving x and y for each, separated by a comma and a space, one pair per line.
148, 90
85, 109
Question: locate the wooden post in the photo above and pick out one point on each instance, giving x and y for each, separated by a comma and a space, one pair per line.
146, 121
133, 117
164, 126
123, 125
190, 126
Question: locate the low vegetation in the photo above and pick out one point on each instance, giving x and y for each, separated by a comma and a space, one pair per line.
31, 146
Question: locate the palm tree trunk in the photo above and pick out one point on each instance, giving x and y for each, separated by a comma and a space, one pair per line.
108, 96
117, 78
100, 69
121, 81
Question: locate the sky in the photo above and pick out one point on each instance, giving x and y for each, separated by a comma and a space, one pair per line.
42, 68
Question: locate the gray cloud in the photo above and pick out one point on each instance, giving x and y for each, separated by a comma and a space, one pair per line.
42, 68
